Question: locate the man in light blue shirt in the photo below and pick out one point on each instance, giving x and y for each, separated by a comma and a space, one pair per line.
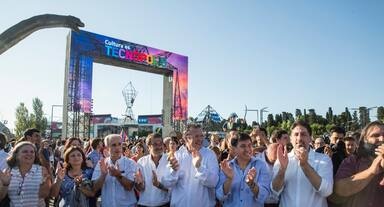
244, 181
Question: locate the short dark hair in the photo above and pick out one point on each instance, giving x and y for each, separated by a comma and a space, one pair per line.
264, 130
338, 129
95, 142
3, 140
241, 137
278, 133
29, 132
303, 124
349, 139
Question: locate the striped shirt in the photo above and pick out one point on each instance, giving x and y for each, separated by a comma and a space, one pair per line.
25, 191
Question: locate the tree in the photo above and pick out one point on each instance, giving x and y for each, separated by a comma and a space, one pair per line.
317, 129
312, 116
355, 122
298, 114
270, 120
37, 118
22, 120
278, 119
364, 116
380, 113
305, 115
286, 125
329, 115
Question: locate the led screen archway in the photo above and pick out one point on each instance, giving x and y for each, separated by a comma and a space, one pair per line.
84, 48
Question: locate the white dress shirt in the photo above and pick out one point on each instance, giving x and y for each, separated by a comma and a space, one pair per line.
193, 187
113, 193
153, 196
297, 189
3, 160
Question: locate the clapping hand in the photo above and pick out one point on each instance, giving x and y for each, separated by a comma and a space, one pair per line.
173, 162
103, 167
251, 177
196, 158
5, 177
139, 177
60, 171
282, 156
78, 180
227, 170
155, 181
302, 156
114, 171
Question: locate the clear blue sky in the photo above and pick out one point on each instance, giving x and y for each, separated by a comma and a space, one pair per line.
280, 54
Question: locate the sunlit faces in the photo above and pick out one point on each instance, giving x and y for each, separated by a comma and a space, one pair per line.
284, 140
215, 140
244, 149
336, 136
36, 137
26, 154
319, 142
115, 147
350, 146
375, 135
139, 149
194, 138
156, 148
75, 158
172, 145
300, 137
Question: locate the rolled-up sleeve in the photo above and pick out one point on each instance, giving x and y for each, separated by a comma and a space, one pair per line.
325, 171
96, 172
276, 168
220, 188
263, 181
208, 176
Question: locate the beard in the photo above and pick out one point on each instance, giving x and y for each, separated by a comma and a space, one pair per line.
367, 150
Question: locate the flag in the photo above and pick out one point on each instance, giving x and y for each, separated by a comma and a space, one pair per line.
123, 135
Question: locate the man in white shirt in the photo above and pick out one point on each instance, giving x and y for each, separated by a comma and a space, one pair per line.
3, 154
302, 177
115, 175
153, 167
193, 172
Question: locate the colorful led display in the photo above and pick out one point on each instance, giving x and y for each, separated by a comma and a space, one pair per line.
87, 47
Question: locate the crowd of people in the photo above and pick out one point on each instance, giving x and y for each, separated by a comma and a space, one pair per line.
292, 169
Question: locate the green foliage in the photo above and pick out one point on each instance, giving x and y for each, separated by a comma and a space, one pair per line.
380, 113
317, 129
25, 120
22, 120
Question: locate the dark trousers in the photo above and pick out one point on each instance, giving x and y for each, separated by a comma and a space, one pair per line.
271, 205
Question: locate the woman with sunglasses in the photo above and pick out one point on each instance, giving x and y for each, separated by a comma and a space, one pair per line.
28, 183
